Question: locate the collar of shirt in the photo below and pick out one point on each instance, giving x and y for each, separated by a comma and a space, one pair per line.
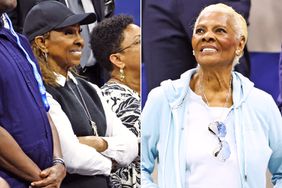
61, 80
3, 22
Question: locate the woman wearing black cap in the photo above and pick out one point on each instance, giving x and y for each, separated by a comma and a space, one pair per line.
92, 137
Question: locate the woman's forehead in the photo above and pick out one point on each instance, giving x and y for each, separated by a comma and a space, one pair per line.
214, 16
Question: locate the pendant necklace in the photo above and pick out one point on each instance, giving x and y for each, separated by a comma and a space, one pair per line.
218, 128
83, 104
228, 94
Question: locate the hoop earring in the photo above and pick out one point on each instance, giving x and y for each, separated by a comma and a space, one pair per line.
121, 74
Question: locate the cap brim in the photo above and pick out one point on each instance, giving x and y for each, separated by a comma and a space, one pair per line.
81, 19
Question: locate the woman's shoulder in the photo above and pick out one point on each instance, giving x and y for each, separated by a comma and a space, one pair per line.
249, 93
118, 90
112, 86
262, 102
260, 95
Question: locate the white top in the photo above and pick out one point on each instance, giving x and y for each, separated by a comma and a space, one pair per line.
85, 160
203, 169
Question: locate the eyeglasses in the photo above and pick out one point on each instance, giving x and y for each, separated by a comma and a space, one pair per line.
135, 43
222, 152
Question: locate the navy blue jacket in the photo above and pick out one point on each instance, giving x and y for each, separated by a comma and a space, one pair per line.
22, 112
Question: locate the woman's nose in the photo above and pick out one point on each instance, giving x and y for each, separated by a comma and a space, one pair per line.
208, 36
79, 40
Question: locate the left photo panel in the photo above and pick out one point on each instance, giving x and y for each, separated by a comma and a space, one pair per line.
70, 93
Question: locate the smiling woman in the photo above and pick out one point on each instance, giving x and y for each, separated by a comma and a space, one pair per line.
46, 34
66, 55
212, 122
93, 139
219, 33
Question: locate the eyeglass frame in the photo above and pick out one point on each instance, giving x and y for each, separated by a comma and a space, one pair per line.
221, 142
134, 43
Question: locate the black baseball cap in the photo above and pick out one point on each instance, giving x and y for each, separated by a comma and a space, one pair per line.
50, 15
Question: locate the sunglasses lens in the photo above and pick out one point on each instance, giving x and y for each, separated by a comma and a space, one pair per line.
223, 151
218, 128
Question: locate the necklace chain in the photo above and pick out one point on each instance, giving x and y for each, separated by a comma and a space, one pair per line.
228, 93
83, 104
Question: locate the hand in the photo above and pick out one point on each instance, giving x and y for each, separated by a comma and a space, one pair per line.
3, 183
115, 166
51, 177
94, 141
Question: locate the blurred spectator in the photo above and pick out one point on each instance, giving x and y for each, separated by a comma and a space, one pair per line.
116, 45
280, 82
264, 47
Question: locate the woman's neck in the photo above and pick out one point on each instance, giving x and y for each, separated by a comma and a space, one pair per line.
58, 69
131, 80
215, 81
214, 86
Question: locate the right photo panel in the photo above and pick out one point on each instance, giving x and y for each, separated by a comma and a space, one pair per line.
211, 94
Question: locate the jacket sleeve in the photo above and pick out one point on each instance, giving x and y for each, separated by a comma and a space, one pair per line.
79, 158
275, 142
150, 137
122, 143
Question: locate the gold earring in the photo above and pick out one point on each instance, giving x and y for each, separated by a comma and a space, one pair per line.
121, 74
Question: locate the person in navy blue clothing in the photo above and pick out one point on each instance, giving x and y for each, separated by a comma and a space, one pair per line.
167, 32
280, 82
30, 152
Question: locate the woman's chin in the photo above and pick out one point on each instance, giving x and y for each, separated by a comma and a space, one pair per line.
75, 63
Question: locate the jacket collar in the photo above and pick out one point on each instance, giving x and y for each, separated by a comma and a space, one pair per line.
176, 91
61, 80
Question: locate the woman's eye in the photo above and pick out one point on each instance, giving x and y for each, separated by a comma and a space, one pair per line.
68, 32
221, 30
137, 42
199, 31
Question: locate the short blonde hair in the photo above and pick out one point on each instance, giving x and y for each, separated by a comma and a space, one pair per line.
239, 22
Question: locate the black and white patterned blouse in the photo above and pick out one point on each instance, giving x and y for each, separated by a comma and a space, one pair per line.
127, 105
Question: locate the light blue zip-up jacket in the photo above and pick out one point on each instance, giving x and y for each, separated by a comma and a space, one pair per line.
258, 132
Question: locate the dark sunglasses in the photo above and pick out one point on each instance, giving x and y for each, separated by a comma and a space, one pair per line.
222, 152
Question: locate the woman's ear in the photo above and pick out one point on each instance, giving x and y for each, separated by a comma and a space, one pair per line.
240, 49
40, 43
242, 43
116, 60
